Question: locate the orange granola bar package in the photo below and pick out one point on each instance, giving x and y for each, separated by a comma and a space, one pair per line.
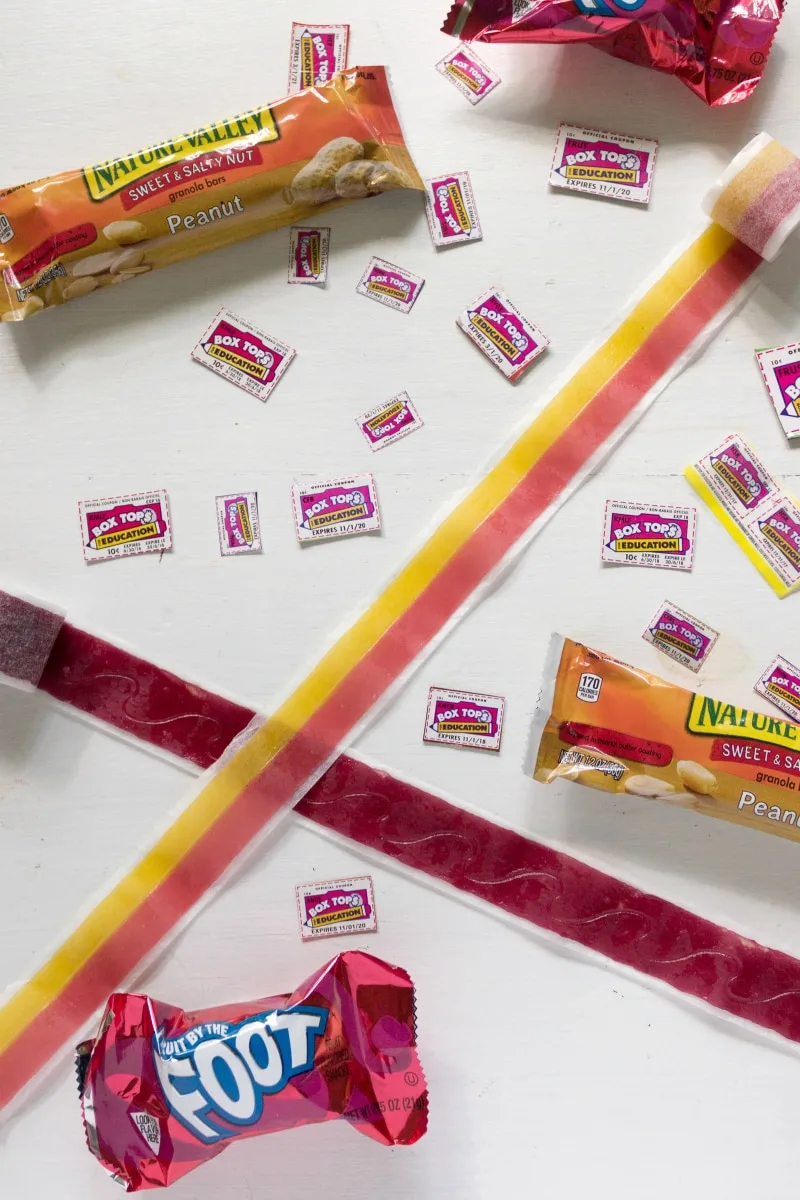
613, 727
78, 232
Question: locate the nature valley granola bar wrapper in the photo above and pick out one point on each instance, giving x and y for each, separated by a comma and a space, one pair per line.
72, 234
616, 728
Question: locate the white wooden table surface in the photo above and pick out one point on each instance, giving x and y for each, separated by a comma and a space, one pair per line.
548, 1075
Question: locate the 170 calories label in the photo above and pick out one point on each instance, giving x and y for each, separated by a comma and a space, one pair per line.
335, 508
336, 907
681, 636
780, 684
118, 526
308, 254
242, 354
651, 535
388, 422
603, 164
450, 209
464, 719
237, 524
390, 285
781, 370
316, 53
505, 336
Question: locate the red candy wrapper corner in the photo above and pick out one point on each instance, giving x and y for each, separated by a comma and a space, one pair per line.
718, 48
163, 1090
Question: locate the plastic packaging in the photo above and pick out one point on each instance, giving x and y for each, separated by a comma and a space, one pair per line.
74, 233
163, 1090
616, 728
718, 48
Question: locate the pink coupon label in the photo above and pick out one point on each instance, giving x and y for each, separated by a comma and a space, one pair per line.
653, 535
450, 209
119, 526
681, 636
504, 335
316, 53
336, 508
781, 371
741, 481
781, 528
464, 719
780, 684
308, 254
387, 423
390, 285
603, 164
237, 524
242, 354
336, 907
473, 78
759, 515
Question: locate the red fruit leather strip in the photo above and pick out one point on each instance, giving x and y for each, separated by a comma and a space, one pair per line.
558, 893
475, 856
141, 699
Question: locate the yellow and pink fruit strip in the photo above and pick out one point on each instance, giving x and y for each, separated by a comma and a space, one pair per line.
757, 198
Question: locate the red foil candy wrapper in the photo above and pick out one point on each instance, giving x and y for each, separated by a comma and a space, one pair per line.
718, 48
163, 1090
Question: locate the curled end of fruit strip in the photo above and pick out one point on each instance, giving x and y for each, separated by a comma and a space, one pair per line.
28, 630
757, 197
